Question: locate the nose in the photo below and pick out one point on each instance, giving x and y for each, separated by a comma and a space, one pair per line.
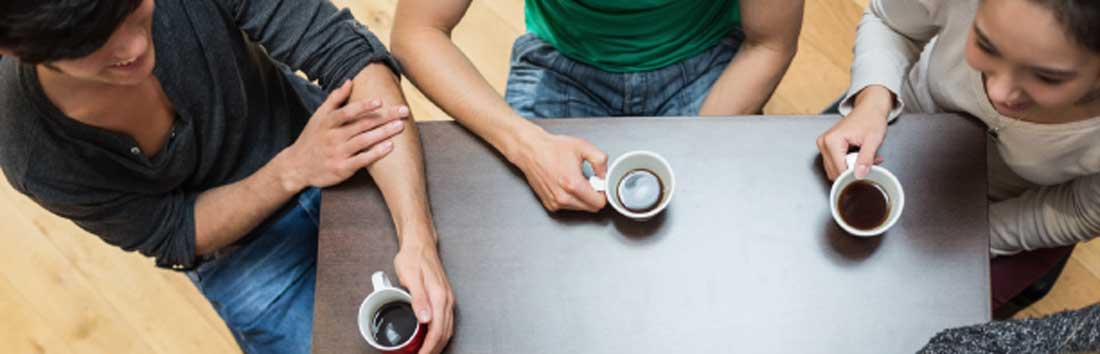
1002, 88
129, 42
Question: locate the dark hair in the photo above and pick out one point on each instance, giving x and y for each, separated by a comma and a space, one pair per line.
39, 31
1080, 19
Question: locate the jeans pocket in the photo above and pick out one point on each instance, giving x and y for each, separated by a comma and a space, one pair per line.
530, 50
523, 46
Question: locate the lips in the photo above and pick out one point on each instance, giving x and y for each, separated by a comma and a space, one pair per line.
124, 64
1014, 107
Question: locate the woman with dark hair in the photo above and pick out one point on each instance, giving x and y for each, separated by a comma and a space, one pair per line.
179, 130
1028, 69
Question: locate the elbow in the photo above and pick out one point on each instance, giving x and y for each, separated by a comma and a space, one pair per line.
788, 51
782, 49
401, 43
785, 49
202, 246
406, 39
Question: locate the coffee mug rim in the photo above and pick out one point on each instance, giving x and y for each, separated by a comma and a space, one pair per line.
892, 219
664, 202
365, 332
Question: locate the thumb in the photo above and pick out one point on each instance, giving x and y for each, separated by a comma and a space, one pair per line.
595, 156
420, 304
866, 157
336, 98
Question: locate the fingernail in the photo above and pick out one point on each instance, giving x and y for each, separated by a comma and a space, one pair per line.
862, 171
387, 145
403, 111
397, 124
425, 316
375, 103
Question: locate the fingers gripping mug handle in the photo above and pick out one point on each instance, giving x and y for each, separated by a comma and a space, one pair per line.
380, 281
851, 159
599, 184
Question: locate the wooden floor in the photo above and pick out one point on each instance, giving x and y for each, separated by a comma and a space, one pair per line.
64, 291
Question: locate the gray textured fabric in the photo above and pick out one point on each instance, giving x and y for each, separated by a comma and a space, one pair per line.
1066, 332
226, 67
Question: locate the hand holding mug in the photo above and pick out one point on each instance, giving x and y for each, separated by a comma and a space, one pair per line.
552, 163
639, 184
864, 127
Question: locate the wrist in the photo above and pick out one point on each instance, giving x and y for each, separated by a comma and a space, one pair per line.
286, 171
417, 236
876, 99
519, 142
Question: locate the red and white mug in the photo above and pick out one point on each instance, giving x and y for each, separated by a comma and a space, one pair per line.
384, 294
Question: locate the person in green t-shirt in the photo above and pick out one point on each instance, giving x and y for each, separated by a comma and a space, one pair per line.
598, 58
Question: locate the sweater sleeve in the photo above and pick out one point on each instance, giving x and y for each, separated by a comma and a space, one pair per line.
1048, 216
888, 42
158, 226
313, 36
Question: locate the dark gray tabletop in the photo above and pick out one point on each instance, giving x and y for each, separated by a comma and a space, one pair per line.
746, 258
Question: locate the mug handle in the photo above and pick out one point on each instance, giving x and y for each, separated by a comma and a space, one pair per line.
851, 159
380, 281
599, 184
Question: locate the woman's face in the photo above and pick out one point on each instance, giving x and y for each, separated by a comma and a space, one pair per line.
126, 59
1029, 62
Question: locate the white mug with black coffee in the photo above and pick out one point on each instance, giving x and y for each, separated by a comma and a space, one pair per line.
869, 206
387, 320
639, 184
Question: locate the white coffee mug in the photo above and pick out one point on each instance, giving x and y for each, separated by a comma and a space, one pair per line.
631, 161
878, 175
385, 293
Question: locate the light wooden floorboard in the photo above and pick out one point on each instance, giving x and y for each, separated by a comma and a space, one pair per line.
53, 287
23, 330
64, 291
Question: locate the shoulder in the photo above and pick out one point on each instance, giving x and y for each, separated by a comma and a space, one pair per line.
943, 9
17, 123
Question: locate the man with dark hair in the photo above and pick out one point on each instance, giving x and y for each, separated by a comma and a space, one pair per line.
178, 129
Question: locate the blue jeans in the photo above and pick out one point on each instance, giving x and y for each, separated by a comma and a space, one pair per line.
263, 288
543, 83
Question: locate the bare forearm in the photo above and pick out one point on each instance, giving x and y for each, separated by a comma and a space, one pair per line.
225, 214
771, 30
448, 78
399, 175
748, 81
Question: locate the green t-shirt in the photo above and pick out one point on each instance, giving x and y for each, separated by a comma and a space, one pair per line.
632, 35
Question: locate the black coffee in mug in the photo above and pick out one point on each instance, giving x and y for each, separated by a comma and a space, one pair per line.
394, 324
640, 191
863, 205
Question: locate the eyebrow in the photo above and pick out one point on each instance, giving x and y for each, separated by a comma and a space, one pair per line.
1058, 73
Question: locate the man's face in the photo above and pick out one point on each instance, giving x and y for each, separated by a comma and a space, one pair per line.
127, 58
